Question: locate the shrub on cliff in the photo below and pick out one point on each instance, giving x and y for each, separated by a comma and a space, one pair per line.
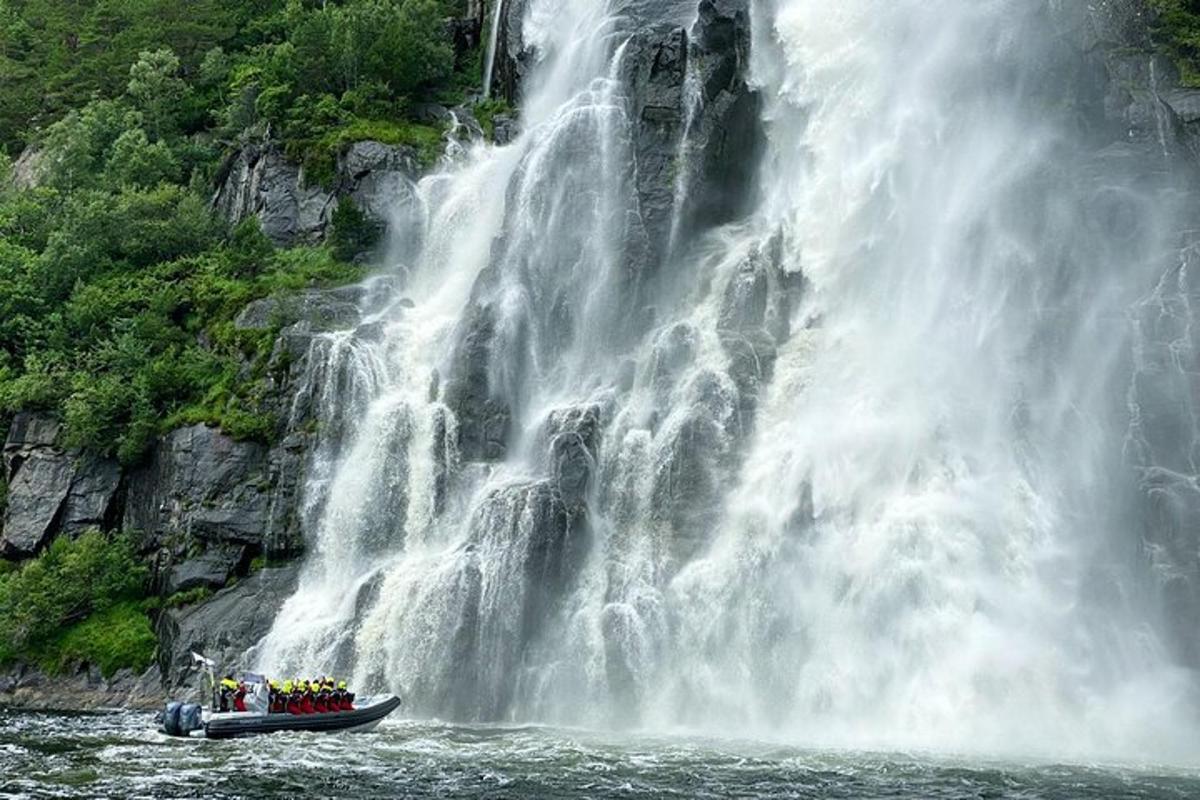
56, 605
1178, 30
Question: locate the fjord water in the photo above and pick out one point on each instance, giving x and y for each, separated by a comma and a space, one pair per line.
910, 524
117, 755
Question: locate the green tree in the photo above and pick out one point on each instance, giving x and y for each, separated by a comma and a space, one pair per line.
71, 580
136, 161
157, 90
77, 146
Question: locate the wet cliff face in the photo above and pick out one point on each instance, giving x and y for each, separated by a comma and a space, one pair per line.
1151, 135
777, 334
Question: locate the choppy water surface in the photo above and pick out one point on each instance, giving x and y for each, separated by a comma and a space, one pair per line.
120, 755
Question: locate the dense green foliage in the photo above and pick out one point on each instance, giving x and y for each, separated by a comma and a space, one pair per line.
117, 285
116, 308
116, 638
78, 601
1178, 28
287, 62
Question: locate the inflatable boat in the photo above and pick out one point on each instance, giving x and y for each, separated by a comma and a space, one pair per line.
193, 719
190, 719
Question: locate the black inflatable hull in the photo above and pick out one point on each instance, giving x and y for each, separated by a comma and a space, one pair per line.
365, 717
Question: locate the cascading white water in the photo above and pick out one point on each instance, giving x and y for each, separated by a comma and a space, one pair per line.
929, 490
910, 526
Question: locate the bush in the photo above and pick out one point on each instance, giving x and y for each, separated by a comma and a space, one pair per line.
190, 597
116, 638
64, 586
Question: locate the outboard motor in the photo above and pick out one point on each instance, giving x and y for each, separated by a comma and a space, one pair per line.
170, 719
180, 719
191, 718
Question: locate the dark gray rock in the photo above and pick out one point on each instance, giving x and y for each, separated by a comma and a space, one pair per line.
211, 569
754, 320
572, 438
362, 158
203, 488
745, 303
727, 138
483, 417
223, 627
321, 310
528, 535
1184, 103
51, 490
693, 464
657, 62
23, 686
505, 129
378, 178
27, 432
37, 492
92, 499
259, 181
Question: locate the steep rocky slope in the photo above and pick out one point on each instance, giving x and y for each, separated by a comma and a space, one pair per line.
208, 506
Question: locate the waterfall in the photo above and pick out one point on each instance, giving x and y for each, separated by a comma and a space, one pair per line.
844, 460
489, 61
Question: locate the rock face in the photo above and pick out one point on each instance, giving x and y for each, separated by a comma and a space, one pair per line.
657, 71
1153, 120
27, 169
728, 138
316, 309
524, 550
483, 417
1164, 446
377, 177
222, 628
208, 504
51, 490
513, 58
23, 686
259, 181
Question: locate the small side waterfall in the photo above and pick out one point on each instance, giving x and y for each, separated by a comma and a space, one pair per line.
775, 380
489, 61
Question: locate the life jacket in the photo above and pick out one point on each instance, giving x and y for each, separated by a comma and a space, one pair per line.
239, 699
348, 701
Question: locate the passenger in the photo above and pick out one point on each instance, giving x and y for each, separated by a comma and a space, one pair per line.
228, 687
336, 695
276, 703
239, 697
347, 697
321, 699
292, 690
306, 699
